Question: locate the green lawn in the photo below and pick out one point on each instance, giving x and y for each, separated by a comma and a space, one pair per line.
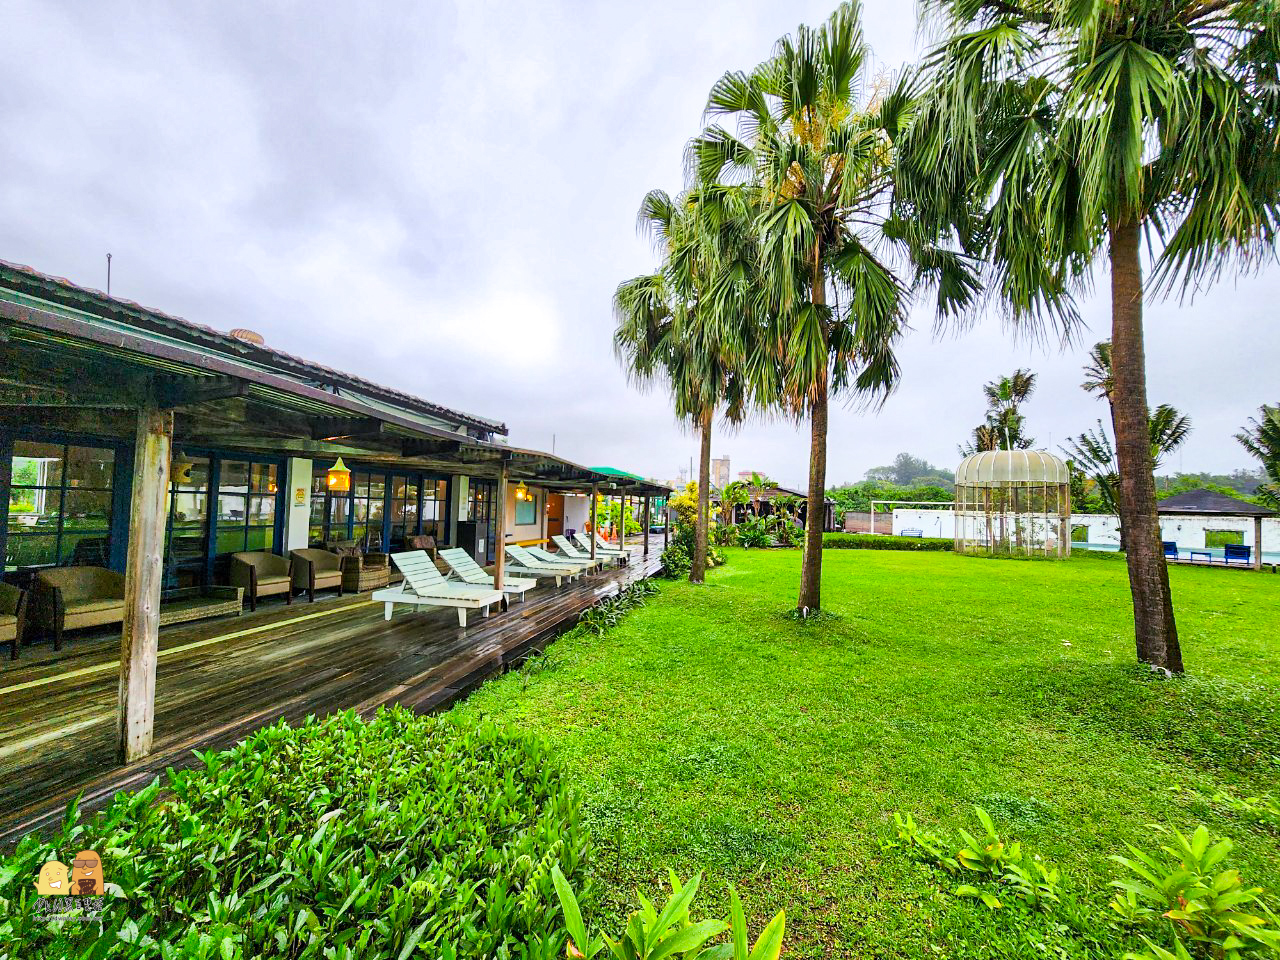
710, 731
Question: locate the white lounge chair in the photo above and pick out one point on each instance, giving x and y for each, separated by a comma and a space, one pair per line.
526, 566
545, 556
602, 548
465, 566
576, 553
425, 586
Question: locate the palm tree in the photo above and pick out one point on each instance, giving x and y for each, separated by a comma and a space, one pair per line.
819, 157
733, 495
1097, 372
1004, 400
1262, 439
674, 325
758, 483
1093, 453
1055, 131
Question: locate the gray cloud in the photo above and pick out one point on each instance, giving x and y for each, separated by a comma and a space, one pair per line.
442, 198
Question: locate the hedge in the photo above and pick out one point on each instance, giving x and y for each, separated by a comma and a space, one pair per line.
873, 541
402, 836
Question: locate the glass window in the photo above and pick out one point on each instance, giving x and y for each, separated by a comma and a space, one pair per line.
59, 505
247, 498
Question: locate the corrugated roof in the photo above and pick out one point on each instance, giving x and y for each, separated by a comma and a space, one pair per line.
61, 290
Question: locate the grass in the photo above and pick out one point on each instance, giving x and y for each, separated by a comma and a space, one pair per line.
711, 731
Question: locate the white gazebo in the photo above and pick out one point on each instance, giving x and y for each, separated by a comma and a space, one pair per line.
1013, 503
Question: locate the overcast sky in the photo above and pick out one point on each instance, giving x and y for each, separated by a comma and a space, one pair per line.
441, 197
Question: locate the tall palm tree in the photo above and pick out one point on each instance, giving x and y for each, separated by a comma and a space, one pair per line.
675, 325
1054, 132
758, 483
1004, 401
734, 494
819, 155
1097, 372
1262, 439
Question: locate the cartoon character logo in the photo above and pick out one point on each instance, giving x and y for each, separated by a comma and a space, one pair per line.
86, 874
52, 881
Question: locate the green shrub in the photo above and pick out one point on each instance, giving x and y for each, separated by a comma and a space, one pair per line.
606, 614
788, 535
1184, 896
754, 533
652, 934
676, 561
874, 541
339, 838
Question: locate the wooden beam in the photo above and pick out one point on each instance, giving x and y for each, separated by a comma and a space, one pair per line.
423, 447
500, 535
591, 517
647, 501
191, 391
1257, 543
335, 428
143, 577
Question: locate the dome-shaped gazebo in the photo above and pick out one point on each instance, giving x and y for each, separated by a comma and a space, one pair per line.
1013, 503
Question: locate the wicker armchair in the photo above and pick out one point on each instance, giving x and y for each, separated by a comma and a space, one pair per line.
316, 570
68, 598
13, 609
360, 571
262, 574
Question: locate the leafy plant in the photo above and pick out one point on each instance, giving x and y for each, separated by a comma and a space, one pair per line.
754, 533
676, 561
401, 836
1184, 892
608, 612
651, 934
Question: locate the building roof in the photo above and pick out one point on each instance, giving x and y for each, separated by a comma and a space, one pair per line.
1208, 503
994, 467
96, 304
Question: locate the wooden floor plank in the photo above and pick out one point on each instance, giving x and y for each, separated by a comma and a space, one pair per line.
217, 681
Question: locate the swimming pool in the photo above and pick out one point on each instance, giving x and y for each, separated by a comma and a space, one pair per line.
1183, 552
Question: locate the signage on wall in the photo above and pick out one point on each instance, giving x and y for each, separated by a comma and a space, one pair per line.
300, 497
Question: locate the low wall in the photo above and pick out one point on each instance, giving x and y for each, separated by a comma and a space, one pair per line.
1187, 531
861, 522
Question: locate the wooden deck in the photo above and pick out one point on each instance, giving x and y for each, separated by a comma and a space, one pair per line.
219, 680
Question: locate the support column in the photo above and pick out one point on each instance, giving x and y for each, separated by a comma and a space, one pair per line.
622, 521
143, 577
666, 521
591, 517
647, 501
500, 535
1257, 543
297, 507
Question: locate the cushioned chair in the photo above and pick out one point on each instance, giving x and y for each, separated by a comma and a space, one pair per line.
316, 570
70, 598
13, 607
262, 574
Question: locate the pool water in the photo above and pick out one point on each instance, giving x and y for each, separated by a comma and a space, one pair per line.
1183, 552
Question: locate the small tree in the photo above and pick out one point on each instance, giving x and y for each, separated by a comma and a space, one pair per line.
1262, 439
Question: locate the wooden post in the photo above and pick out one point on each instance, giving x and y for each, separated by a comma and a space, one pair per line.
1257, 543
591, 517
666, 521
647, 500
500, 553
622, 521
143, 577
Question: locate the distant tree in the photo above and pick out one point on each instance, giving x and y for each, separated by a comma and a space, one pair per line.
1262, 439
1004, 427
908, 470
757, 484
734, 495
1097, 372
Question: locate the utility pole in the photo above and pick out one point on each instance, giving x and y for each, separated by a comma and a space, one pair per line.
108, 274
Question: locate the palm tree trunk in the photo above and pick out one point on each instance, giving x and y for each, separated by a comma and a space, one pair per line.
1155, 631
811, 570
698, 572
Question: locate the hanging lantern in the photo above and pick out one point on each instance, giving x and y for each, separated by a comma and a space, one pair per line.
522, 492
182, 469
339, 478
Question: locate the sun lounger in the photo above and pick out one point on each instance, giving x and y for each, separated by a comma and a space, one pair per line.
465, 566
526, 566
602, 548
425, 586
544, 556
576, 553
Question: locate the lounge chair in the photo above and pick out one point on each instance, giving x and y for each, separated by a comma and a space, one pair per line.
1236, 553
315, 569
602, 548
262, 574
465, 566
13, 607
576, 553
545, 556
1170, 549
523, 565
425, 586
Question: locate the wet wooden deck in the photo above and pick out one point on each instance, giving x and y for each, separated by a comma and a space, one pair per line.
219, 680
